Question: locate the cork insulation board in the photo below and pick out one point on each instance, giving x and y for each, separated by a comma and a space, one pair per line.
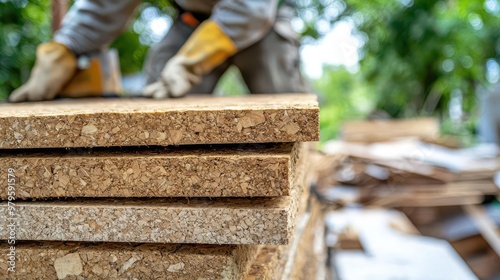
257, 220
184, 171
72, 260
142, 122
157, 220
303, 258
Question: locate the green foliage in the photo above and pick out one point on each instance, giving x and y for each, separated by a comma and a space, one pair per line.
342, 96
417, 54
131, 52
231, 83
24, 24
133, 44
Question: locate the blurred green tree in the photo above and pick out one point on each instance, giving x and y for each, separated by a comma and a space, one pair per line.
23, 25
417, 54
342, 96
134, 42
420, 54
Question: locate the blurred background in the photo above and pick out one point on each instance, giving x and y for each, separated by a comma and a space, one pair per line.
406, 58
389, 187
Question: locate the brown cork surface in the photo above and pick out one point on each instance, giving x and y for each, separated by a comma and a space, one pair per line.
310, 258
271, 261
303, 258
269, 264
143, 122
204, 221
160, 220
72, 260
184, 171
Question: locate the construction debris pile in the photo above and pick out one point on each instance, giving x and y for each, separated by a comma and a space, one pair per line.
396, 187
193, 188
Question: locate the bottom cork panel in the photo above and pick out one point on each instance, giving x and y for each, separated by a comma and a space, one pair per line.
303, 258
59, 260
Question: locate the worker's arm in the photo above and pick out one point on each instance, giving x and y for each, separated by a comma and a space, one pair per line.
92, 24
245, 21
233, 26
88, 26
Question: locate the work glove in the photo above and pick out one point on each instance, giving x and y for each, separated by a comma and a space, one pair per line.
206, 48
55, 65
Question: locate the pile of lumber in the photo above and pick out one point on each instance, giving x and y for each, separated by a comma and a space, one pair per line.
193, 188
401, 172
472, 230
406, 171
387, 246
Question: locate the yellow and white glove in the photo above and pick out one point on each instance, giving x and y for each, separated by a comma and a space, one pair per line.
55, 65
206, 48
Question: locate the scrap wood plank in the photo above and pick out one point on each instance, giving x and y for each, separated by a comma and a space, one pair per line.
215, 171
483, 186
427, 199
486, 226
146, 122
384, 130
65, 260
389, 253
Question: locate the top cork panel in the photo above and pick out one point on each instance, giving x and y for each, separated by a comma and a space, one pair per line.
144, 122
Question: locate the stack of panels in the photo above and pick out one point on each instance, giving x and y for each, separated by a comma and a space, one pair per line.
179, 189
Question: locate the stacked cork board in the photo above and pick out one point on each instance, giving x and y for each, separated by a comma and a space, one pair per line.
193, 188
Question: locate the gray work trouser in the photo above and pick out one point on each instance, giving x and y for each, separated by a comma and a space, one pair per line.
268, 66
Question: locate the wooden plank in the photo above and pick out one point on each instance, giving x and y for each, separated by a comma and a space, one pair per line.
486, 226
389, 253
70, 260
197, 171
140, 122
484, 187
427, 199
384, 130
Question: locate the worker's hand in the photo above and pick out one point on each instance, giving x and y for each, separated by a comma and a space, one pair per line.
206, 48
176, 80
55, 65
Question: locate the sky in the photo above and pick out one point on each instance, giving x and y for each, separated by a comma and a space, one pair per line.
337, 47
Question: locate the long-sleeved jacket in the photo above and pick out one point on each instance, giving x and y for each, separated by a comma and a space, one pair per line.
92, 24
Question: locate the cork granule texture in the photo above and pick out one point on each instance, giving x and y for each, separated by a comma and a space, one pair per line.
301, 259
72, 260
145, 122
205, 221
198, 171
76, 260
161, 220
